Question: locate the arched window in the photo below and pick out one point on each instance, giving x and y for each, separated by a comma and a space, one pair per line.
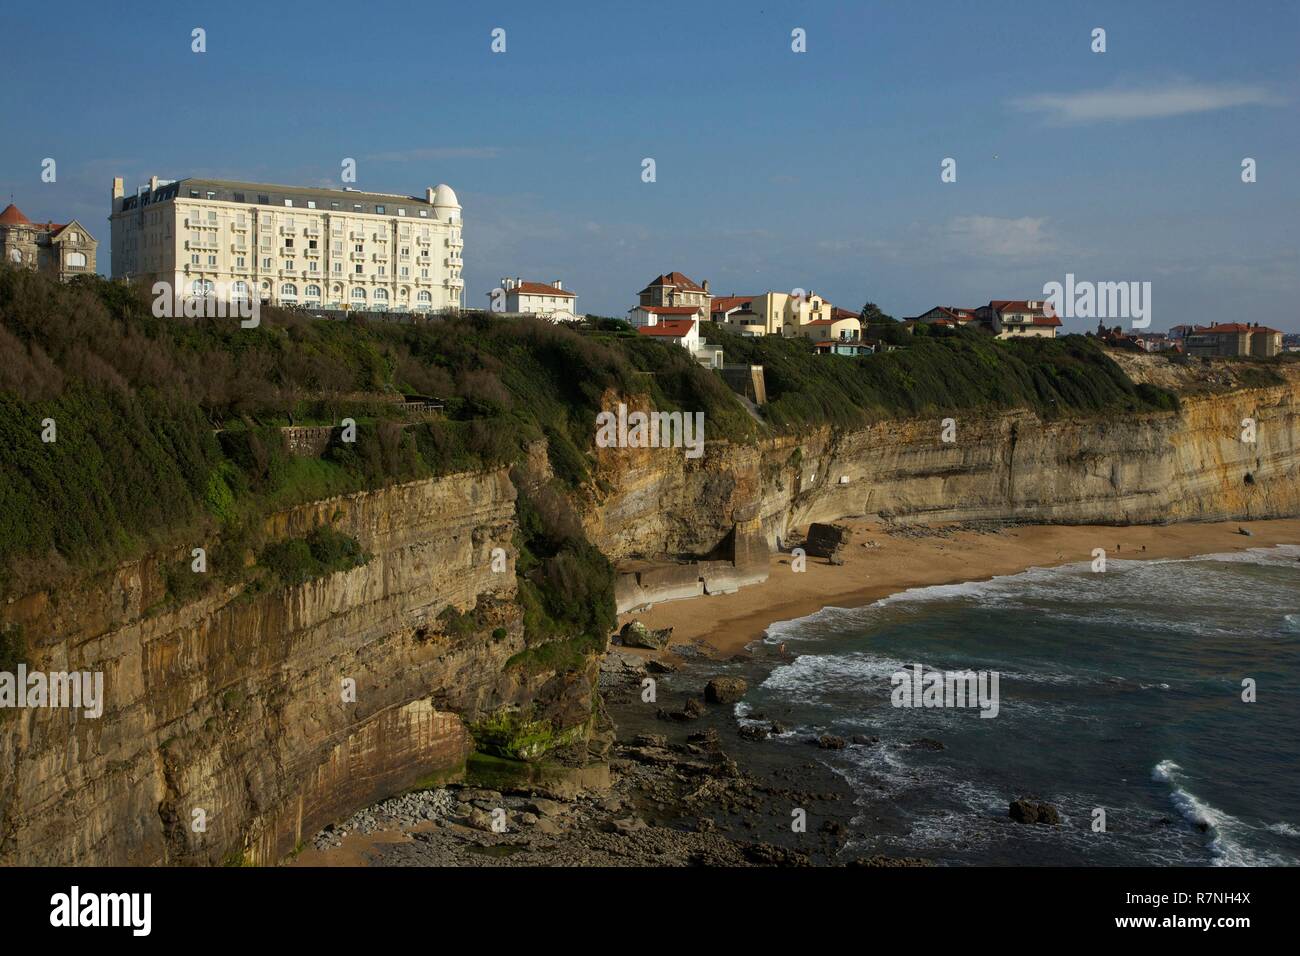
312, 292
239, 291
423, 299
289, 291
358, 295
76, 260
381, 295
201, 288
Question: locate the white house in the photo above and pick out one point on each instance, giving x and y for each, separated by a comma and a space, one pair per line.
552, 301
683, 330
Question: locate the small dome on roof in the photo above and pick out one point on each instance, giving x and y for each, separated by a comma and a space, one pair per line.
444, 195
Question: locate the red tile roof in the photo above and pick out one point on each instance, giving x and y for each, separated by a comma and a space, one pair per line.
725, 303
830, 321
838, 313
1017, 305
1232, 328
13, 216
674, 279
540, 288
669, 328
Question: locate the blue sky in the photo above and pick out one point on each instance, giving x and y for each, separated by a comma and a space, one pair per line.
775, 170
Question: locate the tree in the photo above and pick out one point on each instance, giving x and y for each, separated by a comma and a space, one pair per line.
872, 313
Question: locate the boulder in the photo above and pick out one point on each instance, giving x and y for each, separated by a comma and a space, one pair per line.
1033, 811
827, 541
725, 690
636, 634
830, 742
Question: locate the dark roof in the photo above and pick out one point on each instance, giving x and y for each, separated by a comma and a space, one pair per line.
675, 280
267, 194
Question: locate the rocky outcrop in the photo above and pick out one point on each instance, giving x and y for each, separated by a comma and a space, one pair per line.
239, 724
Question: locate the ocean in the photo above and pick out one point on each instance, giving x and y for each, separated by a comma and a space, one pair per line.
1119, 691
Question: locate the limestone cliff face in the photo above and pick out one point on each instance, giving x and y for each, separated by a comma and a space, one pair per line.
1148, 468
233, 705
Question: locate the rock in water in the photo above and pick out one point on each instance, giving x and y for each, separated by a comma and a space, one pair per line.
1032, 811
636, 634
725, 690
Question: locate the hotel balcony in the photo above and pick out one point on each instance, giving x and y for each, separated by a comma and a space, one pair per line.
313, 231
209, 244
381, 256
455, 262
455, 243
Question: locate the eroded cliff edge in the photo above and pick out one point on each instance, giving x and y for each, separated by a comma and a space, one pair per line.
231, 704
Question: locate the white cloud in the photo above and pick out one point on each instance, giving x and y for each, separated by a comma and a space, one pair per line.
995, 237
1096, 106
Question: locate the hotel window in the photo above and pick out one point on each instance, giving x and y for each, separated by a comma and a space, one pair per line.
311, 266
266, 218
211, 194
383, 271
424, 273
266, 263
311, 204
357, 269
289, 223
359, 247
212, 215
194, 259
289, 290
74, 237
240, 262
356, 207
359, 294
288, 202
239, 197
424, 214
288, 243
212, 260
401, 211
288, 265
338, 267
265, 200
405, 272
334, 205
239, 220
379, 210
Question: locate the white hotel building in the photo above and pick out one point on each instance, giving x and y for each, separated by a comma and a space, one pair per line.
289, 245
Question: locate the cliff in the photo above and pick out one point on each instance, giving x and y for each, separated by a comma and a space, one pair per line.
231, 704
230, 709
1152, 467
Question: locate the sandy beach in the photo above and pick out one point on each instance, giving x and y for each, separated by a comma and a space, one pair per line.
881, 561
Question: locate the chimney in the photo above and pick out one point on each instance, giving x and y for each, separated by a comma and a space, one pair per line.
118, 192
705, 286
428, 195
558, 284
153, 183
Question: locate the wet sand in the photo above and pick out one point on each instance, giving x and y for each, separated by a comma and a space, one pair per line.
918, 556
